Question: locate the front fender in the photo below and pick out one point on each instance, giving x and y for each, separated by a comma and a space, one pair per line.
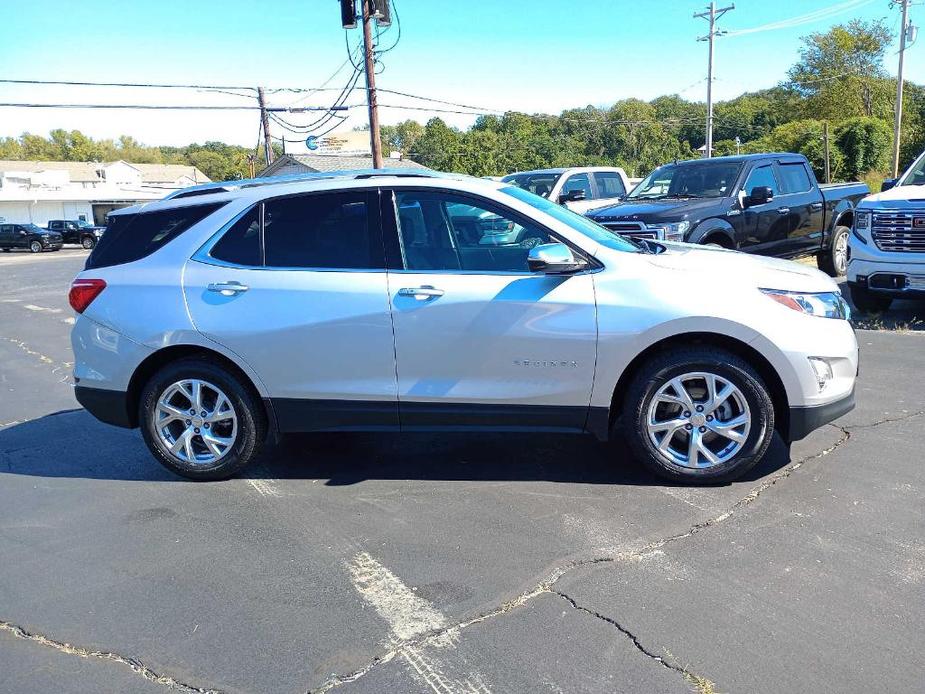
709, 227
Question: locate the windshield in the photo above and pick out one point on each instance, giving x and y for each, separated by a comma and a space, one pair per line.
582, 225
537, 183
83, 224
915, 176
34, 229
702, 180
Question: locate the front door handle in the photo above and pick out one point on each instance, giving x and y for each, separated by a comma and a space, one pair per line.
421, 293
816, 206
783, 210
228, 288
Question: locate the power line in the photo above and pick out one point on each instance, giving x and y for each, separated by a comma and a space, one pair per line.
185, 107
122, 84
807, 18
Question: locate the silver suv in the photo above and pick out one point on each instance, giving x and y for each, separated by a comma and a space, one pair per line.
384, 301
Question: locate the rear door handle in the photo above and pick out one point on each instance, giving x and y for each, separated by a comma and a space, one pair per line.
228, 288
783, 210
425, 292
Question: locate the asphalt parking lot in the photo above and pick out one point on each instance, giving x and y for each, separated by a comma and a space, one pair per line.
449, 563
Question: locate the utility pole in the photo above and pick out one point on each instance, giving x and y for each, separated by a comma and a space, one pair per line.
265, 122
370, 69
897, 123
712, 14
825, 148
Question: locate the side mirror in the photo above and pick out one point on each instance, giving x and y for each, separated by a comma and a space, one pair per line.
759, 195
572, 196
554, 259
887, 184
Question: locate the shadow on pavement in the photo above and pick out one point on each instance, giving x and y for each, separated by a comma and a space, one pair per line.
73, 444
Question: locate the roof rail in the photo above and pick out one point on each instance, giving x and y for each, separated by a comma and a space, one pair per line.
228, 186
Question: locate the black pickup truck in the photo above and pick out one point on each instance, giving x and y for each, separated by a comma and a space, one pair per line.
77, 231
760, 203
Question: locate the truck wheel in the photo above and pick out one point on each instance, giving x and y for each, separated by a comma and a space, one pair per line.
87, 242
834, 260
200, 421
866, 300
698, 415
35, 247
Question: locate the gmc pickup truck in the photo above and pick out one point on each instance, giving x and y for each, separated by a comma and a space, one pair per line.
579, 188
886, 257
768, 204
77, 231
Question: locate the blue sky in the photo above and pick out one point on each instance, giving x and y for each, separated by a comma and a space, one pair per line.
526, 55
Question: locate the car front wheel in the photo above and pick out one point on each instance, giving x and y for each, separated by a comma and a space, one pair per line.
698, 415
868, 301
200, 421
87, 242
35, 247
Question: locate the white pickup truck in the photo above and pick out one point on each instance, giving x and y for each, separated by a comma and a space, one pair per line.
887, 244
579, 188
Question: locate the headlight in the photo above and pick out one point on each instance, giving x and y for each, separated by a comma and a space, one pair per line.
823, 304
862, 220
97, 232
670, 232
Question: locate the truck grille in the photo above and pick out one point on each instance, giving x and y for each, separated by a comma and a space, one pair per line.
896, 231
635, 229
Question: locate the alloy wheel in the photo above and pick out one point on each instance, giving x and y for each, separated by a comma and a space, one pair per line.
195, 422
841, 254
698, 420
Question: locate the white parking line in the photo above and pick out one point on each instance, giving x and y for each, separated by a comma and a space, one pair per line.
33, 307
408, 616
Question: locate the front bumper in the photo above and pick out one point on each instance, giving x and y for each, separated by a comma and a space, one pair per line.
109, 406
805, 420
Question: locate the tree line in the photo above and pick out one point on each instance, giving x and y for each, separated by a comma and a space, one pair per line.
839, 80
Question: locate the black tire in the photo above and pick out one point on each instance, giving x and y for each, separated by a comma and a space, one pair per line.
35, 246
662, 368
87, 242
251, 419
868, 301
834, 260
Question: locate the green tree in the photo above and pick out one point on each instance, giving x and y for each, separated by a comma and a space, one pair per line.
864, 144
840, 72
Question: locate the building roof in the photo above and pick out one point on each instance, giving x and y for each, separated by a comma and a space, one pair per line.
88, 171
331, 162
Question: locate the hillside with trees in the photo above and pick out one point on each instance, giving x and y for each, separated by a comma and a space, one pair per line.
839, 81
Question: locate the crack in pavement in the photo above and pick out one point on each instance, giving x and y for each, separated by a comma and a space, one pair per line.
546, 587
702, 682
44, 359
135, 665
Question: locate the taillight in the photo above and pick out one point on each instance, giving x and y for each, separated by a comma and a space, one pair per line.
83, 292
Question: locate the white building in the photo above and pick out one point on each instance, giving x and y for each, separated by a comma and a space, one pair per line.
37, 191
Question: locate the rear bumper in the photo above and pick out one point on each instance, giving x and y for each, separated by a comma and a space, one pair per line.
109, 406
805, 420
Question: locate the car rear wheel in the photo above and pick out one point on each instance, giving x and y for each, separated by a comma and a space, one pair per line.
200, 421
35, 247
834, 261
868, 301
698, 415
87, 242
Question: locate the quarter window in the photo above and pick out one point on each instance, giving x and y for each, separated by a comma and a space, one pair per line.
442, 231
793, 178
329, 230
241, 243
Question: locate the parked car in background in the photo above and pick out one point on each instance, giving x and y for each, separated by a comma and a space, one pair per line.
768, 204
887, 246
28, 236
363, 301
77, 231
578, 188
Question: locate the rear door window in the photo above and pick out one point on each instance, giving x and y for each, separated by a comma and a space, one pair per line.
609, 184
580, 182
793, 178
130, 237
337, 231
